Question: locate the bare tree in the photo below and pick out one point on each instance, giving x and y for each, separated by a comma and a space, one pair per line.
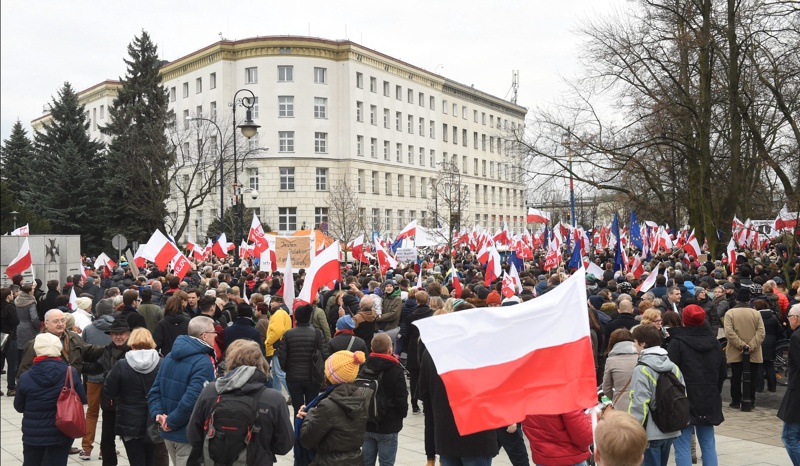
343, 212
449, 205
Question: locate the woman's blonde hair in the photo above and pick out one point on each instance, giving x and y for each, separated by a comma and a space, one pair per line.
650, 316
435, 303
141, 339
447, 308
245, 353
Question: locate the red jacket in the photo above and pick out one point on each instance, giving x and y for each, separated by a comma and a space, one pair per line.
560, 439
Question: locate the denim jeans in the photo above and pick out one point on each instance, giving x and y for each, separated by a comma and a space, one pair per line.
379, 446
466, 460
278, 376
705, 439
514, 445
657, 452
302, 394
791, 440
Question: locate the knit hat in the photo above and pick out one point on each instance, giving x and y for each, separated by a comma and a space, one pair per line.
493, 298
699, 290
729, 286
47, 344
84, 303
342, 366
744, 295
693, 316
482, 292
345, 322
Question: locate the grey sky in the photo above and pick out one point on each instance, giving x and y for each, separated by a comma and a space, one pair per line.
45, 42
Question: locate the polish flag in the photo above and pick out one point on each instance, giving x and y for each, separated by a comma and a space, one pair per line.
508, 286
664, 240
553, 257
593, 269
493, 266
514, 274
288, 284
637, 268
409, 231
243, 250
648, 283
22, 262
502, 235
24, 230
456, 285
538, 216
385, 261
323, 270
731, 250
104, 261
490, 384
220, 248
190, 245
73, 299
138, 258
357, 249
181, 266
692, 247
161, 249
483, 254
257, 236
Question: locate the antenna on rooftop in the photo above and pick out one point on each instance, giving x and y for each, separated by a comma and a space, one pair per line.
514, 85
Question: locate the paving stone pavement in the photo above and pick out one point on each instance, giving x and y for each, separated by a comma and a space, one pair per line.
743, 439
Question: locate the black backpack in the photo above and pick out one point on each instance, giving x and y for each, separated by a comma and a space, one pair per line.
670, 409
229, 428
378, 403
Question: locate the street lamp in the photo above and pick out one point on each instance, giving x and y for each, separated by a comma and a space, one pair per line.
249, 129
567, 141
14, 214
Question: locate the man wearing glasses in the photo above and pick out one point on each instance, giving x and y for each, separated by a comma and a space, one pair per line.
180, 380
789, 411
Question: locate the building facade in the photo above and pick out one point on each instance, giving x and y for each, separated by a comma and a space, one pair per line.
332, 110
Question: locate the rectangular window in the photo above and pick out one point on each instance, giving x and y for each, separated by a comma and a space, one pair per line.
423, 188
432, 102
285, 73
491, 169
373, 118
483, 142
386, 150
320, 75
410, 96
252, 178
198, 85
444, 132
455, 110
464, 137
374, 182
401, 186
464, 164
424, 218
320, 107
483, 118
491, 144
386, 88
410, 125
398, 92
412, 190
475, 166
491, 121
359, 111
455, 135
373, 149
287, 178
397, 117
286, 106
475, 139
373, 84
359, 80
320, 143
361, 185
198, 111
475, 116
172, 94
212, 81
320, 216
185, 90
401, 218
422, 126
322, 179
103, 111
421, 99
444, 106
360, 146
213, 111
376, 219
432, 129
386, 118
464, 112
186, 119
285, 141
251, 75
433, 158
387, 183
421, 156
388, 220
411, 155
483, 168
399, 153
287, 219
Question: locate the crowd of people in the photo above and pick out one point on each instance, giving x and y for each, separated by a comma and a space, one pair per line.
168, 363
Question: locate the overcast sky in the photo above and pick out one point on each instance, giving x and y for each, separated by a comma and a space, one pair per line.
45, 42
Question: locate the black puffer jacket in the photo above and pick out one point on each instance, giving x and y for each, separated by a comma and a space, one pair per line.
712, 317
774, 332
296, 350
335, 428
128, 384
168, 330
412, 331
699, 356
393, 385
341, 340
409, 306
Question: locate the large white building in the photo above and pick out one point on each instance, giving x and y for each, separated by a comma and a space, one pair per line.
335, 109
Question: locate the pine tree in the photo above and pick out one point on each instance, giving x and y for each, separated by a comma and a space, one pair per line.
15, 160
139, 156
65, 173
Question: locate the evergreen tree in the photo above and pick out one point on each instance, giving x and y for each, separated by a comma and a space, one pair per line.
139, 155
15, 159
65, 172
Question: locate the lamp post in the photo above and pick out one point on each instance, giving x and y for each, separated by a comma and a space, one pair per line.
14, 214
568, 142
249, 129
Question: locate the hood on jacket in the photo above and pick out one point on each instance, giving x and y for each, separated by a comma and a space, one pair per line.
186, 346
689, 286
698, 338
623, 347
103, 323
350, 398
657, 359
24, 300
244, 378
143, 361
47, 373
380, 364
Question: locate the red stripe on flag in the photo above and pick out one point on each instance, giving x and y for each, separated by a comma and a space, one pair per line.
550, 380
165, 255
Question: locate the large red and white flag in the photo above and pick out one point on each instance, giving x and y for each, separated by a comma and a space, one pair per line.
731, 250
181, 266
104, 261
357, 249
637, 268
648, 282
385, 261
257, 236
221, 246
22, 262
161, 250
692, 247
508, 286
493, 266
323, 270
538, 216
138, 258
73, 299
553, 257
24, 230
409, 231
490, 384
190, 245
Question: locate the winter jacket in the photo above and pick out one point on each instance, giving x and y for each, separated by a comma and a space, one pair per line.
366, 328
95, 334
319, 321
335, 428
37, 394
9, 320
95, 291
132, 317
744, 326
790, 406
447, 439
721, 307
412, 343
275, 435
230, 312
244, 329
618, 371
26, 312
295, 352
409, 306
168, 330
712, 318
643, 387
75, 352
47, 303
127, 384
279, 323
107, 361
391, 312
395, 392
341, 340
151, 314
560, 438
773, 331
178, 384
623, 320
699, 356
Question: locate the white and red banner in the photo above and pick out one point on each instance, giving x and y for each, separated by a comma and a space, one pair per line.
324, 269
160, 250
357, 249
385, 261
409, 231
731, 251
220, 248
24, 230
181, 266
538, 216
492, 384
104, 261
648, 282
22, 262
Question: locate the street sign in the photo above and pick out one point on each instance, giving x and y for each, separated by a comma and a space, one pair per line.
119, 242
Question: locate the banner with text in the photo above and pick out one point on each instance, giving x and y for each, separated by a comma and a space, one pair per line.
301, 251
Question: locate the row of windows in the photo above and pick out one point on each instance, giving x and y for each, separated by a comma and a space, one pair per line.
384, 220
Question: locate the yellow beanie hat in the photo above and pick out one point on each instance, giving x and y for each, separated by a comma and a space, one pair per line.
342, 366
